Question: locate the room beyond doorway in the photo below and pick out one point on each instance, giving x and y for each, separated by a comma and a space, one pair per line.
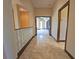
43, 23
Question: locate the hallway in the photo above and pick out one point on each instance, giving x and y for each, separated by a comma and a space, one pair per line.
54, 40
44, 47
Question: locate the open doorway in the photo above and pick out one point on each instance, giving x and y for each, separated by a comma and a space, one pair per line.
63, 18
43, 24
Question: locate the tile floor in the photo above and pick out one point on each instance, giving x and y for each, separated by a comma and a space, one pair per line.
44, 47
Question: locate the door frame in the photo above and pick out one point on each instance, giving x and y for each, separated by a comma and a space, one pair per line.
59, 21
36, 24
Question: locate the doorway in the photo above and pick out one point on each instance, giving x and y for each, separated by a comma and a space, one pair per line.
43, 24
63, 18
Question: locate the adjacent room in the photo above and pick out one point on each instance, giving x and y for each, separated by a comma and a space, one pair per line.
43, 25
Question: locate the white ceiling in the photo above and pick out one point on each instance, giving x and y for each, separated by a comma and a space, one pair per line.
43, 3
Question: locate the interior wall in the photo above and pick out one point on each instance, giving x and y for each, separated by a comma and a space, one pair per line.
23, 34
42, 11
9, 34
57, 5
70, 47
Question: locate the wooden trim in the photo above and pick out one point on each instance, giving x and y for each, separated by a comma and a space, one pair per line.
50, 25
67, 25
53, 37
59, 20
56, 40
59, 15
66, 34
59, 12
42, 16
69, 54
66, 4
36, 24
23, 28
22, 50
61, 41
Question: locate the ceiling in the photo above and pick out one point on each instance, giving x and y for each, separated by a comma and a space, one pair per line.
43, 3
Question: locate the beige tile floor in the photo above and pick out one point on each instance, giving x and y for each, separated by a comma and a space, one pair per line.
44, 47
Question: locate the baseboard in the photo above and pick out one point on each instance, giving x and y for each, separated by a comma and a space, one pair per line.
57, 40
61, 41
22, 50
53, 37
69, 54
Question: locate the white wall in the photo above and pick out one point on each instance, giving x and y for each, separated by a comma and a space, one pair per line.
15, 40
71, 30
24, 35
9, 35
57, 5
70, 47
42, 11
